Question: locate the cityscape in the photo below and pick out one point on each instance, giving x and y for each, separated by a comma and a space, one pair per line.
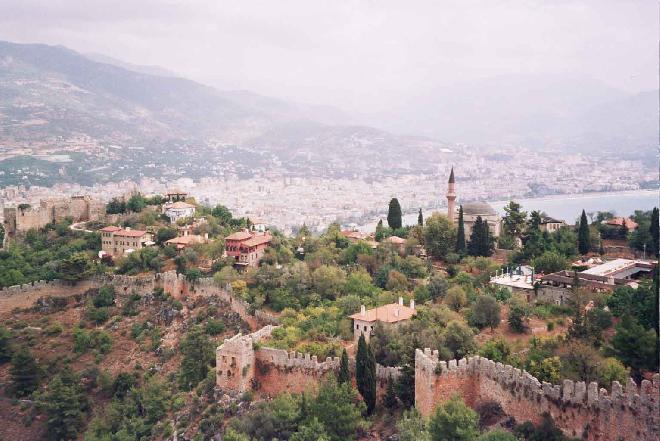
329, 221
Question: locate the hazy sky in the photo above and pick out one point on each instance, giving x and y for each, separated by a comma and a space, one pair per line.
358, 55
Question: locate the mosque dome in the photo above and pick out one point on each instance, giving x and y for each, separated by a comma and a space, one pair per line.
478, 209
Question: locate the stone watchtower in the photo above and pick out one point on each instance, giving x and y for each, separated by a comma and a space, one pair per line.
235, 363
235, 359
451, 197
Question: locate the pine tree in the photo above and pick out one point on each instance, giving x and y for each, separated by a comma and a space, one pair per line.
655, 231
394, 214
584, 241
460, 234
65, 405
198, 353
365, 374
420, 218
24, 373
344, 375
389, 400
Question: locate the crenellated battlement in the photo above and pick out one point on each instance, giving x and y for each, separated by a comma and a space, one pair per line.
576, 406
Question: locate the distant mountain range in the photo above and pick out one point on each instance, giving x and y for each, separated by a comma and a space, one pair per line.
51, 96
101, 110
546, 111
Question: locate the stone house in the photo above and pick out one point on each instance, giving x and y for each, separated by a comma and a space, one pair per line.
392, 314
117, 241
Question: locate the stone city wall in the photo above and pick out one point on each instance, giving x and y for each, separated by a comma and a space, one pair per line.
242, 365
579, 410
24, 296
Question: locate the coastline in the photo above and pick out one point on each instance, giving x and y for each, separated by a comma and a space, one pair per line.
576, 196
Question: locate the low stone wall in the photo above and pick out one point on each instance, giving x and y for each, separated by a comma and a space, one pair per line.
580, 410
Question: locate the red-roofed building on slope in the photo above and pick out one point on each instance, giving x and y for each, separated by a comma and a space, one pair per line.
247, 247
117, 241
392, 315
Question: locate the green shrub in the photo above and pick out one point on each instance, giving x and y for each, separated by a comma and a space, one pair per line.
105, 296
97, 340
215, 327
54, 329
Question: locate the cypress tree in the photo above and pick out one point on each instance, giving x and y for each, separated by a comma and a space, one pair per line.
365, 374
389, 400
486, 246
584, 241
475, 244
460, 234
405, 387
420, 218
394, 214
344, 375
379, 230
655, 231
24, 373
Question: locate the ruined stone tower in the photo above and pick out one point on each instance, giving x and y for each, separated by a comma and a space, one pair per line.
451, 197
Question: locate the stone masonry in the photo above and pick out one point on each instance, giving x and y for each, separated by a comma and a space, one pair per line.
242, 364
579, 410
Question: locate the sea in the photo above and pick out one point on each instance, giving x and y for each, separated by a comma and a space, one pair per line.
566, 207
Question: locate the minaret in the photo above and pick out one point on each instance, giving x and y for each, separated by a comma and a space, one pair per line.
451, 197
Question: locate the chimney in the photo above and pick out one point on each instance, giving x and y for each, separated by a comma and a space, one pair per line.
185, 232
396, 312
363, 310
412, 303
400, 301
128, 228
206, 236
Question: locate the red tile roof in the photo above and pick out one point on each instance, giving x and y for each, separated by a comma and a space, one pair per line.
130, 233
386, 313
257, 240
396, 240
620, 221
239, 235
110, 229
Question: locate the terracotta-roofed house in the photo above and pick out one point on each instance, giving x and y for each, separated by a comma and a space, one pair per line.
185, 241
117, 241
398, 242
247, 247
392, 314
630, 224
